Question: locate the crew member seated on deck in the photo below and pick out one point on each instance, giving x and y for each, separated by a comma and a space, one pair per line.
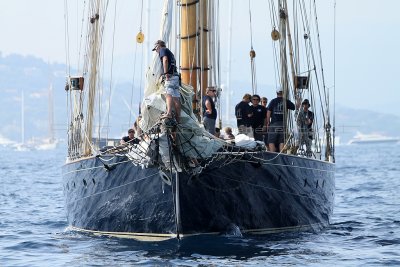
131, 139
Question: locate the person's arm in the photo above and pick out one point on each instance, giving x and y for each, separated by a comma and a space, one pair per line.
265, 118
268, 117
310, 118
290, 105
238, 112
208, 107
165, 67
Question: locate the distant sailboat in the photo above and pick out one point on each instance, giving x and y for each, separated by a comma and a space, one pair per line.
50, 142
23, 145
38, 143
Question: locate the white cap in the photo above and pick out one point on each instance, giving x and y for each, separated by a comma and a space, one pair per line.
278, 89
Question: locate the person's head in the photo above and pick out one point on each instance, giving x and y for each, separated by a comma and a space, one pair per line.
158, 45
255, 100
246, 98
305, 104
211, 91
131, 133
228, 130
279, 91
264, 101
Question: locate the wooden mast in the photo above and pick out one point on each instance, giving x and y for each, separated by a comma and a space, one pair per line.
194, 46
94, 54
188, 64
284, 67
204, 46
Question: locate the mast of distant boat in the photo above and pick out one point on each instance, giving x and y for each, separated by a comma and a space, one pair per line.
22, 117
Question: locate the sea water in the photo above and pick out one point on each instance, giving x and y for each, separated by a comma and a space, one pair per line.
364, 230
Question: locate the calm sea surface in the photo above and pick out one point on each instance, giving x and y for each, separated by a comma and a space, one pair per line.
365, 229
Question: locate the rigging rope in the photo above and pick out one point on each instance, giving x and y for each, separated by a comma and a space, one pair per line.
130, 122
111, 69
252, 58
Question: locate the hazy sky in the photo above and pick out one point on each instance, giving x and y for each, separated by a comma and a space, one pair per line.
367, 42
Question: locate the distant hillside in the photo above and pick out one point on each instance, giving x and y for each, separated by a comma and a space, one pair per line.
33, 76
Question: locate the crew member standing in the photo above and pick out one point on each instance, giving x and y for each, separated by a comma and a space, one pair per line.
244, 116
209, 110
259, 118
305, 121
275, 112
171, 79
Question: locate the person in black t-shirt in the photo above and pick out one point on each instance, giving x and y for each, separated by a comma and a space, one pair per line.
275, 112
259, 118
171, 79
131, 139
244, 116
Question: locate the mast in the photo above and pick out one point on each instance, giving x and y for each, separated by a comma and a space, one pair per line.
228, 91
22, 117
51, 114
204, 45
194, 46
283, 60
94, 54
188, 45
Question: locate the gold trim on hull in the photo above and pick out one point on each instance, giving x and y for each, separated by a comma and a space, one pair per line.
154, 237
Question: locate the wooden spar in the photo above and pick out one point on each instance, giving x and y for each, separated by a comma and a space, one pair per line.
204, 46
189, 61
289, 39
93, 79
284, 68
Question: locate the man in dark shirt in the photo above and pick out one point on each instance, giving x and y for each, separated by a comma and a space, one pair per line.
130, 138
275, 112
259, 117
171, 79
244, 116
209, 110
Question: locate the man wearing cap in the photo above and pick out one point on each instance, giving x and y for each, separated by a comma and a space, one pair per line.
305, 120
244, 116
171, 79
209, 110
275, 112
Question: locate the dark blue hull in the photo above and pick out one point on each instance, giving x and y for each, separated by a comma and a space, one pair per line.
277, 193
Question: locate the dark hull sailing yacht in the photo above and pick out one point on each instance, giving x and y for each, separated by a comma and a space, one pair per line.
179, 180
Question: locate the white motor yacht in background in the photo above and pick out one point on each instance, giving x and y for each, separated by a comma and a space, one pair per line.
360, 138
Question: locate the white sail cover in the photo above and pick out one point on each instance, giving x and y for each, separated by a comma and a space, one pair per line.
201, 143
